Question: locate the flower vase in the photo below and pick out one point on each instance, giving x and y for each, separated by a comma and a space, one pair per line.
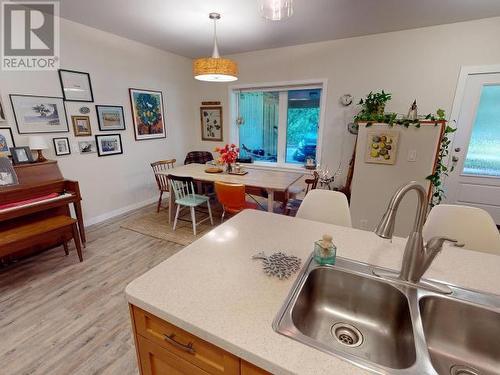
229, 168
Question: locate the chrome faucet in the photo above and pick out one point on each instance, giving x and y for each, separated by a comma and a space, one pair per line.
417, 258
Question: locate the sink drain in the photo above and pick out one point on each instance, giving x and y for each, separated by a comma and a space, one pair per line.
349, 335
463, 370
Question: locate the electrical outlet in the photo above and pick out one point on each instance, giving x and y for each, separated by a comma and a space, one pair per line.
363, 224
412, 155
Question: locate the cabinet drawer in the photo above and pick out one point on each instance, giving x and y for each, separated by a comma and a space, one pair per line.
249, 369
156, 360
202, 354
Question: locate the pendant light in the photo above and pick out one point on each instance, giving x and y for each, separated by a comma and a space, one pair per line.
215, 68
276, 10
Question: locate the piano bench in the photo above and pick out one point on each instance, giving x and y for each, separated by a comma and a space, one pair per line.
33, 232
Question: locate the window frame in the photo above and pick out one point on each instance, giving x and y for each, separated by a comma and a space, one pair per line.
282, 87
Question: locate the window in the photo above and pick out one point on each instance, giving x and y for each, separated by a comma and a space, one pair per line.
279, 125
483, 158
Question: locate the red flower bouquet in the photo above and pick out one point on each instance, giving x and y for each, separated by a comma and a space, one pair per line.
228, 154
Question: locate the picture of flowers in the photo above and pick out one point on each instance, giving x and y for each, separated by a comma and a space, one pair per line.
211, 123
147, 113
381, 147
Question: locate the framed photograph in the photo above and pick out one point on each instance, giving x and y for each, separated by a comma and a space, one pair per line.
211, 123
76, 86
87, 147
109, 144
6, 141
39, 114
2, 111
61, 146
7, 174
21, 155
148, 114
81, 126
381, 146
110, 117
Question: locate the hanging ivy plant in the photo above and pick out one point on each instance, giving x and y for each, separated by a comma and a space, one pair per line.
368, 115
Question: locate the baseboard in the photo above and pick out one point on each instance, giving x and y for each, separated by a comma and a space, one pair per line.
118, 212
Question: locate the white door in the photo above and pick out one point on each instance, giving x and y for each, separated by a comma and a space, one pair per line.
475, 153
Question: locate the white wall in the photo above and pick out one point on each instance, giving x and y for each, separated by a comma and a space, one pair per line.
112, 184
420, 64
374, 184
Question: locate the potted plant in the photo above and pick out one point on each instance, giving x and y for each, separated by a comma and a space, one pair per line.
374, 103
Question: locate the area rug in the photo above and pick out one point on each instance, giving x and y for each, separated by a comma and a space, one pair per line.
151, 223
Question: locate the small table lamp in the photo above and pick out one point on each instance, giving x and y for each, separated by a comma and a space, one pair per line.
37, 143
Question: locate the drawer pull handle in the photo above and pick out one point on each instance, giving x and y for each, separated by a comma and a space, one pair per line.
187, 348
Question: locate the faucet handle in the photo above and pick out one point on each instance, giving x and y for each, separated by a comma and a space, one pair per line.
436, 243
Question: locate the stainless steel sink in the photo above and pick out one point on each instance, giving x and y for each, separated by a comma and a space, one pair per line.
380, 330
461, 336
391, 327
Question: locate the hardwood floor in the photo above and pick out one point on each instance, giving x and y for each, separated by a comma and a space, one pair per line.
60, 316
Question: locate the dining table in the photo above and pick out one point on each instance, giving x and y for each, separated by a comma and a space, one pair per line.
270, 180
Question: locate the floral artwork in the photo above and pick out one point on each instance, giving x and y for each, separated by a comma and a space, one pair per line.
211, 123
381, 147
147, 113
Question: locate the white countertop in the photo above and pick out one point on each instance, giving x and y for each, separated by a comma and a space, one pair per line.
214, 290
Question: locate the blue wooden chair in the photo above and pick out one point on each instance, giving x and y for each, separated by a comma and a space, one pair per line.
185, 197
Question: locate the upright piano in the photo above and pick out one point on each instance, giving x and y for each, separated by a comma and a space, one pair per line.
42, 192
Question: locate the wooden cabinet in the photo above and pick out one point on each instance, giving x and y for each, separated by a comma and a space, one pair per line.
164, 349
249, 369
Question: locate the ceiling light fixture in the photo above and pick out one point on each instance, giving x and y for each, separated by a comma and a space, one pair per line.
276, 10
215, 68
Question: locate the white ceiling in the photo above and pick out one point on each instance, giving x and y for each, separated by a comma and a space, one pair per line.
183, 27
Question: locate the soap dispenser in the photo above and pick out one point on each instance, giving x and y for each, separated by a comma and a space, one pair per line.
325, 251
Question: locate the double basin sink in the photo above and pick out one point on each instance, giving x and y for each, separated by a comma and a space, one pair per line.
390, 327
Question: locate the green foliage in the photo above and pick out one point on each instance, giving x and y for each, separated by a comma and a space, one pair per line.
300, 122
374, 103
441, 169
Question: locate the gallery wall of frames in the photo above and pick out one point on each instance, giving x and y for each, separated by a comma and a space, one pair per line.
36, 115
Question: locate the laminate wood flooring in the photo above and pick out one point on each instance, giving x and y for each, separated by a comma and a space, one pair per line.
59, 316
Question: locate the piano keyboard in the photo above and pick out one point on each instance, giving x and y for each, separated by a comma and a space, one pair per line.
36, 203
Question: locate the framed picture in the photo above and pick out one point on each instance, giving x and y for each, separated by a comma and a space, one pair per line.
211, 123
381, 146
21, 155
7, 174
109, 144
6, 141
87, 147
81, 126
61, 146
148, 114
110, 117
76, 86
39, 114
2, 111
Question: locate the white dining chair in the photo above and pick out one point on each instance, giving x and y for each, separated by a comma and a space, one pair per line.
326, 206
470, 226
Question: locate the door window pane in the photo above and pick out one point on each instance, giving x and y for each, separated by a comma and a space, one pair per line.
483, 155
302, 125
258, 130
